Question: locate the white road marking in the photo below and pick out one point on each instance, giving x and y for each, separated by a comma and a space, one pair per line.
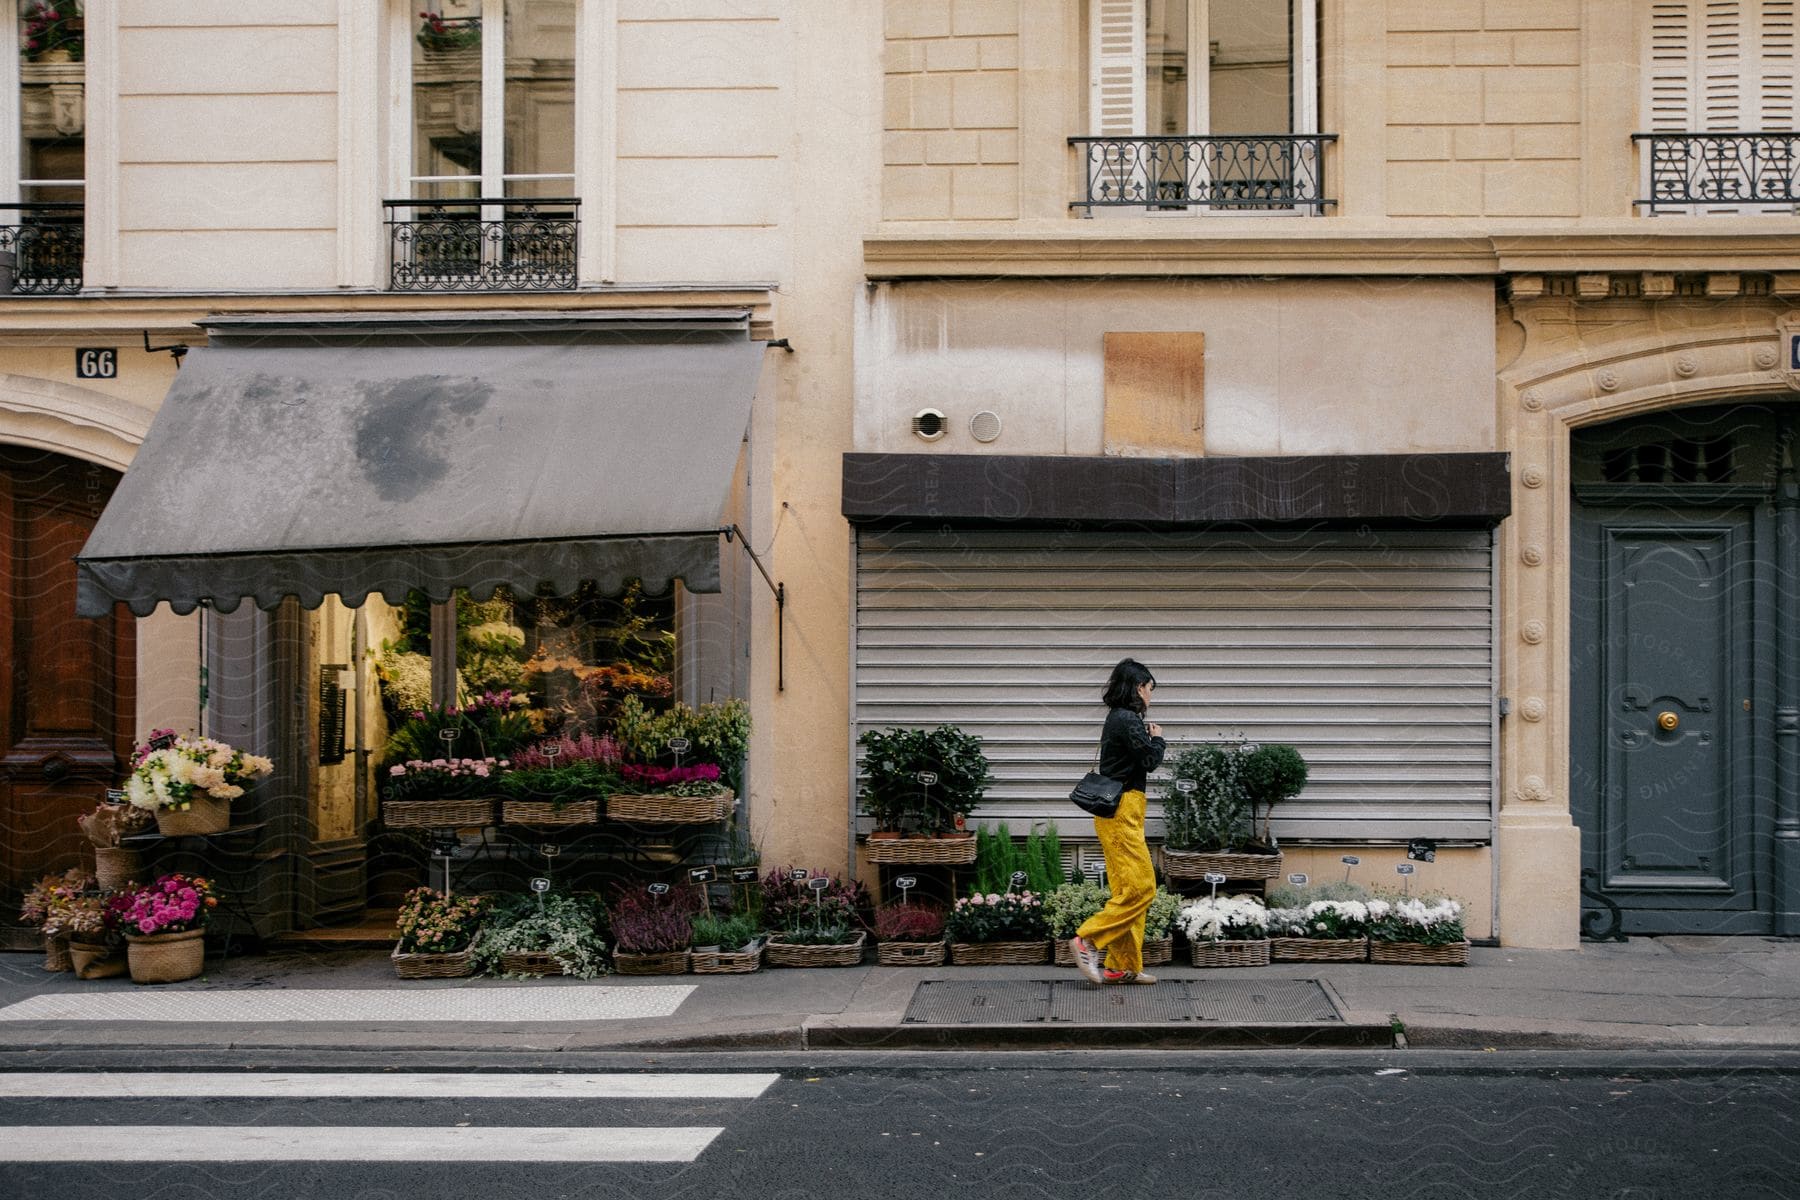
362, 1005
266, 1085
348, 1143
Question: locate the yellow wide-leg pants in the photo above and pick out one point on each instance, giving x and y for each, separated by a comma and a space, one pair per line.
1118, 928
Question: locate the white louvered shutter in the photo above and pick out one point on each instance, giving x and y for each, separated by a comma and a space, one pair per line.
1116, 70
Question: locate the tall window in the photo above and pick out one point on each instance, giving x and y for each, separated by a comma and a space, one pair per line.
1200, 68
41, 191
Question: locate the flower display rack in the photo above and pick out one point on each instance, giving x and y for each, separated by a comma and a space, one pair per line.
1418, 954
1197, 864
1248, 953
992, 954
546, 814
454, 965
921, 851
1293, 949
658, 808
437, 814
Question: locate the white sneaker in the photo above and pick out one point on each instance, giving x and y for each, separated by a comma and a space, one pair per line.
1087, 958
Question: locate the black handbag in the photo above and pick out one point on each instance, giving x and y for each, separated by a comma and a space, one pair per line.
1096, 793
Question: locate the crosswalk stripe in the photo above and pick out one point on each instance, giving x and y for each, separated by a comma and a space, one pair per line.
575, 1002
324, 1085
316, 1143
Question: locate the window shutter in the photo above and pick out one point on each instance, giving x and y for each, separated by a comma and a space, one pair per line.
1721, 66
1669, 103
1116, 72
1769, 97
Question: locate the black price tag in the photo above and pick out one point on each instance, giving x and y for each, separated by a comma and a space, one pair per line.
540, 885
1019, 878
115, 795
1298, 879
906, 883
818, 885
549, 849
658, 889
1422, 850
701, 875
927, 777
1405, 869
1350, 860
743, 874
799, 874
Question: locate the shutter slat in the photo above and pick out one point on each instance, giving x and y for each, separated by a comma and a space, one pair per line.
1117, 68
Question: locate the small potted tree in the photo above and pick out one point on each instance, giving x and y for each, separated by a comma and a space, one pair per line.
917, 783
1210, 809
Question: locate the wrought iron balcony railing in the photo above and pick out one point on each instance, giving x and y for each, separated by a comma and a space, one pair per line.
46, 241
482, 245
1272, 172
1721, 169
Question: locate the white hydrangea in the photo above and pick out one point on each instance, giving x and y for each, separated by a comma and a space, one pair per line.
1349, 910
1234, 918
1420, 913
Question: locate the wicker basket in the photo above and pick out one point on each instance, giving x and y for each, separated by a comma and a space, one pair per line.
453, 965
1197, 864
437, 814
96, 960
667, 962
116, 866
911, 954
56, 954
921, 851
659, 809
202, 815
530, 962
1292, 949
1417, 954
727, 962
166, 957
781, 954
1230, 954
1157, 951
545, 814
995, 954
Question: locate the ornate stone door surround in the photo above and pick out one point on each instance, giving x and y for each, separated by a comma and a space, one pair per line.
1589, 348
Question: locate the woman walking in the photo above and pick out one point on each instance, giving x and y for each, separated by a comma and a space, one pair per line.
1130, 748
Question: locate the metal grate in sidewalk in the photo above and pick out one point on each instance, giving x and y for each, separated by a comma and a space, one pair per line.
1076, 1002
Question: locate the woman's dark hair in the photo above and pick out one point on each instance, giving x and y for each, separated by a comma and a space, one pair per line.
1122, 687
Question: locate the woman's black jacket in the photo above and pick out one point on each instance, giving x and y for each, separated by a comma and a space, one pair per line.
1127, 751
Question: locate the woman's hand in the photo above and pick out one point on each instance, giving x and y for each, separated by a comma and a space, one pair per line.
1154, 728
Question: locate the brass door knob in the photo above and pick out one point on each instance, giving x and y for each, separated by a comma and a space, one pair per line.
1667, 721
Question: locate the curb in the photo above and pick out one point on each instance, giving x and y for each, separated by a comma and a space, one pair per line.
836, 1033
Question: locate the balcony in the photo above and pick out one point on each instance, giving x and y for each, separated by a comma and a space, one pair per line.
485, 245
1262, 173
1720, 172
45, 241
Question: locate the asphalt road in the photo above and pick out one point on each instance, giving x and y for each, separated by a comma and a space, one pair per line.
1094, 1124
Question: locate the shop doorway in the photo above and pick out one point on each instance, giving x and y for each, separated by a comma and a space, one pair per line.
1682, 601
67, 704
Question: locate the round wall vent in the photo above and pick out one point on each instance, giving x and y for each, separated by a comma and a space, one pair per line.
984, 426
929, 424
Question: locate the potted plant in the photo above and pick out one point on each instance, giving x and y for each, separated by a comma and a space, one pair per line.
910, 935
442, 35
1418, 931
115, 866
652, 930
440, 792
559, 782
1226, 931
726, 944
1209, 811
189, 783
435, 933
1308, 928
46, 908
813, 926
1068, 906
917, 786
96, 948
528, 934
996, 928
718, 734
493, 725
164, 923
52, 31
683, 795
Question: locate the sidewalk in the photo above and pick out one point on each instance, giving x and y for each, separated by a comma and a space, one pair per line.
1673, 992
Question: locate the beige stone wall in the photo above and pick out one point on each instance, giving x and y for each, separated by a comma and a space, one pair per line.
950, 142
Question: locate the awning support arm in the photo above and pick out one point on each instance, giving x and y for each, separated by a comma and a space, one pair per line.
780, 590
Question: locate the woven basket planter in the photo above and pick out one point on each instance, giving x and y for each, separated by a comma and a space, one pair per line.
530, 962
202, 815
1197, 864
544, 814
453, 965
921, 851
655, 808
668, 962
116, 866
1417, 954
995, 954
782, 954
96, 960
911, 954
1230, 954
56, 954
727, 962
437, 814
166, 957
1291, 949
1157, 951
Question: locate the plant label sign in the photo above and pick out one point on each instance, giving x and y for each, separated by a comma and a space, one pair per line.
658, 889
1093, 870
540, 885
927, 777
799, 874
1214, 878
679, 745
1298, 879
743, 874
818, 885
1422, 850
906, 883
115, 795
1405, 869
1019, 878
549, 849
701, 875
1186, 785
1350, 860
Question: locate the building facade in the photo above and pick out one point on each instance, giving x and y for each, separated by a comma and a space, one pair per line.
1408, 382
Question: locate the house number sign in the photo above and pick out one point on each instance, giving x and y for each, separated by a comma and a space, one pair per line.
96, 363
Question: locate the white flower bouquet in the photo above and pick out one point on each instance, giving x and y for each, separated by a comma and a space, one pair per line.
174, 774
1427, 921
1224, 919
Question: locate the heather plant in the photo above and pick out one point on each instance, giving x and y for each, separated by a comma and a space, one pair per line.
646, 923
701, 779
910, 923
789, 904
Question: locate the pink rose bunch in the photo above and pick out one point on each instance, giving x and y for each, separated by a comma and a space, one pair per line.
172, 904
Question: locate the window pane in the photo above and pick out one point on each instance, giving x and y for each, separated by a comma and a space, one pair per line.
1166, 67
540, 96
1250, 82
447, 98
52, 100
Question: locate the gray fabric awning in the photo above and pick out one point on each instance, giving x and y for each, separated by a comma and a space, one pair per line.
306, 463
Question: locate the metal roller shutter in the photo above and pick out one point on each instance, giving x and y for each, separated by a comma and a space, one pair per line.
1371, 652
